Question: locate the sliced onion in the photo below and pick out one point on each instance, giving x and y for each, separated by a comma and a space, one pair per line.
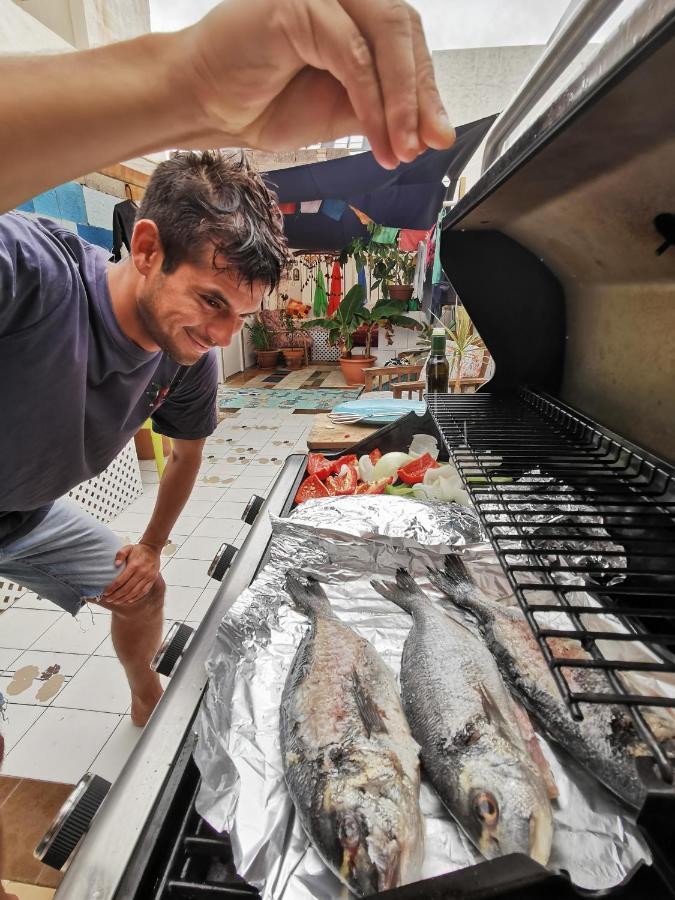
389, 464
424, 443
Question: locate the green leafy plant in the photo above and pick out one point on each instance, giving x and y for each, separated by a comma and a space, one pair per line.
258, 333
291, 329
351, 314
388, 264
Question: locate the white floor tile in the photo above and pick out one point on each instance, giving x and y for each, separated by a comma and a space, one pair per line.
17, 720
268, 472
185, 525
197, 507
100, 686
7, 657
179, 600
252, 482
29, 600
240, 496
128, 537
61, 745
21, 627
186, 572
34, 667
202, 605
143, 504
81, 634
131, 521
227, 509
199, 547
110, 761
222, 529
225, 469
213, 493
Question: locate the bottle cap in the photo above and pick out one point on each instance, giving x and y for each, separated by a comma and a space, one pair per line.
438, 331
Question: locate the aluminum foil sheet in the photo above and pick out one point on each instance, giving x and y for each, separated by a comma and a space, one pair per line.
243, 788
398, 521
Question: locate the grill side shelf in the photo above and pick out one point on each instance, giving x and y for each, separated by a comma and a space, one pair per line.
523, 457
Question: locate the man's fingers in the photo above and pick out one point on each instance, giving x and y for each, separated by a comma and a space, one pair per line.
325, 37
388, 28
435, 128
130, 592
119, 582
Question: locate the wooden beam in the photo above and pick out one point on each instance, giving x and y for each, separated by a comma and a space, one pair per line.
127, 175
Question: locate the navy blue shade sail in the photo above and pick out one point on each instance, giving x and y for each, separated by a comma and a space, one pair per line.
410, 196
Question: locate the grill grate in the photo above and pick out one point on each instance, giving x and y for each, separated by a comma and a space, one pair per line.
527, 459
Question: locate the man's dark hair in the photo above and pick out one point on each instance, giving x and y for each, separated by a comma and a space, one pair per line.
209, 199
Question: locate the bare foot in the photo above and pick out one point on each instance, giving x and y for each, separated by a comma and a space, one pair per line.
142, 707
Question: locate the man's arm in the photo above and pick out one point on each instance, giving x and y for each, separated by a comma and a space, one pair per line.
143, 559
269, 74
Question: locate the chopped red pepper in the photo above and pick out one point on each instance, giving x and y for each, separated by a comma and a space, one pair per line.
311, 488
318, 465
347, 460
375, 487
343, 484
375, 455
414, 471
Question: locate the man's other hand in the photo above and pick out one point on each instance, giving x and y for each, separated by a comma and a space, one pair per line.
280, 74
140, 573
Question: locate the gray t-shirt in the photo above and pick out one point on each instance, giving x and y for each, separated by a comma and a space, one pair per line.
74, 388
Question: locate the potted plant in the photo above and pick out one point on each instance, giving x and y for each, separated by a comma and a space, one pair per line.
349, 316
294, 349
391, 270
259, 337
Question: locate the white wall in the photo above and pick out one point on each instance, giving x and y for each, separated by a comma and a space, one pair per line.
21, 33
28, 26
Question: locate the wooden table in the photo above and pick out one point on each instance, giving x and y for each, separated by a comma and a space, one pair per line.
325, 435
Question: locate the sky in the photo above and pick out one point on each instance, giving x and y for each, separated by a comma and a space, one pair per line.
447, 23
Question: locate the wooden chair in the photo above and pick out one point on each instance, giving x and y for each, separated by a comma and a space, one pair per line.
466, 384
385, 378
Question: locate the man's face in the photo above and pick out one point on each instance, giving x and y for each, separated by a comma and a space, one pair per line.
195, 308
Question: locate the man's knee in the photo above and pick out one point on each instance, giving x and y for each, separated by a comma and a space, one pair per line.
148, 605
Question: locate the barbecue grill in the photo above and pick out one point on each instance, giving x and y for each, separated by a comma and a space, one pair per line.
557, 257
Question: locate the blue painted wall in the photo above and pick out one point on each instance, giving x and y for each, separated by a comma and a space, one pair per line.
84, 211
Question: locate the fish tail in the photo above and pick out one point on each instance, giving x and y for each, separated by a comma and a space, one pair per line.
455, 582
404, 593
307, 594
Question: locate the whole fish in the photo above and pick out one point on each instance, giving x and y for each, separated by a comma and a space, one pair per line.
351, 764
468, 727
604, 740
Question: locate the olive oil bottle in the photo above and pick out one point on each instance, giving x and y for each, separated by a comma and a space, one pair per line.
438, 369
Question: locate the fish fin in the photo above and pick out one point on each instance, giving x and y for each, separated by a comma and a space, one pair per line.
494, 714
392, 592
370, 714
307, 594
535, 752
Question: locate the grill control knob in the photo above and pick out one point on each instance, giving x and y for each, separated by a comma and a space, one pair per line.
253, 507
172, 648
72, 821
222, 561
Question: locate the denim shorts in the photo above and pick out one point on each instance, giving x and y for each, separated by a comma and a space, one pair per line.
68, 558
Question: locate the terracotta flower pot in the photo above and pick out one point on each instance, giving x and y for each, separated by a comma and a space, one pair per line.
267, 359
402, 292
294, 357
352, 369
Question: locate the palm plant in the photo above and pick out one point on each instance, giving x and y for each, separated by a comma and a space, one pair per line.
258, 333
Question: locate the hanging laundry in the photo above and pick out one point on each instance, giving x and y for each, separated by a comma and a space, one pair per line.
361, 216
384, 235
420, 270
320, 300
288, 208
335, 288
437, 275
409, 238
310, 206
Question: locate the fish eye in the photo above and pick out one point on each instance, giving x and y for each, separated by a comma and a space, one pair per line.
350, 833
485, 808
